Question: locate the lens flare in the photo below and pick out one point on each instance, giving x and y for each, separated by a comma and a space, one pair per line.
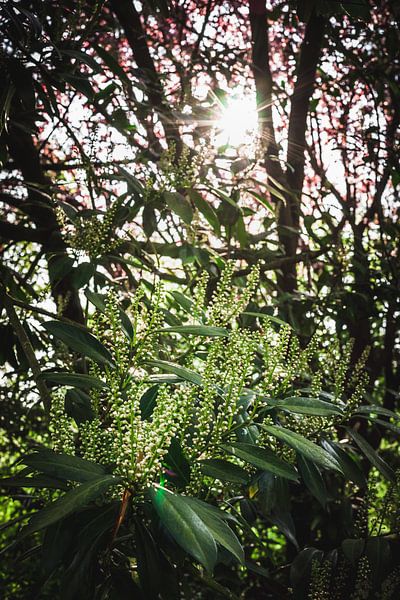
237, 124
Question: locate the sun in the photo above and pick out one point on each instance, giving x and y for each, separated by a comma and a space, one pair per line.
237, 124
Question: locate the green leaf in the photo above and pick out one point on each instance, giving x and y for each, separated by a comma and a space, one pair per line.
349, 466
96, 299
83, 57
378, 553
59, 267
310, 450
353, 549
80, 341
379, 410
183, 301
179, 205
81, 274
263, 200
82, 84
313, 479
223, 470
307, 406
266, 317
64, 466
69, 503
38, 481
185, 526
148, 402
178, 464
78, 405
372, 456
202, 330
78, 380
213, 511
206, 209
263, 458
177, 370
222, 534
112, 64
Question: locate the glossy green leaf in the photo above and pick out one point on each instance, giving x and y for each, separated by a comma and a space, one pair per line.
213, 511
379, 410
223, 534
180, 205
313, 479
78, 405
185, 526
206, 209
78, 380
69, 503
266, 317
301, 444
372, 456
263, 458
307, 406
80, 340
201, 330
348, 465
174, 369
183, 301
37, 481
148, 402
223, 470
82, 274
64, 466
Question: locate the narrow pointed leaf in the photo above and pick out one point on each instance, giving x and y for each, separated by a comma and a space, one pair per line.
223, 535
353, 549
180, 205
202, 330
37, 481
78, 380
174, 369
309, 449
313, 479
224, 470
80, 341
348, 465
263, 458
308, 406
69, 503
185, 526
372, 456
64, 466
379, 410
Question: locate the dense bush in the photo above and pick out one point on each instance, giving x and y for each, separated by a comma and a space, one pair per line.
200, 340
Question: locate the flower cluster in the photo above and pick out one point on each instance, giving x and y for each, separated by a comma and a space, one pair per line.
237, 373
320, 581
94, 234
226, 304
61, 431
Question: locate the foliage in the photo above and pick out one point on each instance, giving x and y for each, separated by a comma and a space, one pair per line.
170, 462
200, 339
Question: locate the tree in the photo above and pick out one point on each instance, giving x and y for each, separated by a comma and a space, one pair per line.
111, 180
